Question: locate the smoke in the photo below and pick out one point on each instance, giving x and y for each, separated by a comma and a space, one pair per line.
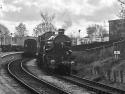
67, 24
62, 19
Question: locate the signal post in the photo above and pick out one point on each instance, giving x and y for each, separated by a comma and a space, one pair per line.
116, 53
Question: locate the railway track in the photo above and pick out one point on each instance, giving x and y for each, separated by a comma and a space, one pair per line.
67, 86
33, 83
91, 85
42, 87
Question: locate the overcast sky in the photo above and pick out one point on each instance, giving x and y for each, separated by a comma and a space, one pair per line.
79, 13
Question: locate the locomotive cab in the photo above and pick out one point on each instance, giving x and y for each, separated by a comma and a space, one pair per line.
49, 46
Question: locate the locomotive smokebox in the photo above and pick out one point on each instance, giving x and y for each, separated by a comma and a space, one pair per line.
61, 31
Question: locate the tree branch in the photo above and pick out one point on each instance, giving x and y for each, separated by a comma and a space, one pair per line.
122, 2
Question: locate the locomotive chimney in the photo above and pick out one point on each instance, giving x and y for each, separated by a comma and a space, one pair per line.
61, 31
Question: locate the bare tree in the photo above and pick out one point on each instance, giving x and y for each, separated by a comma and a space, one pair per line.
98, 29
3, 33
121, 1
46, 17
21, 30
46, 25
37, 30
91, 30
4, 30
122, 10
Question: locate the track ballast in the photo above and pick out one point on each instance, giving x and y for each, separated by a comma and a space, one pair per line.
34, 84
91, 85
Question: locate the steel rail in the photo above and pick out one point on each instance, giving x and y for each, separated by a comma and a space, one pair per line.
91, 85
36, 85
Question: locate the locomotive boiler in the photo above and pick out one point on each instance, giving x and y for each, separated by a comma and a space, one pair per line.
55, 54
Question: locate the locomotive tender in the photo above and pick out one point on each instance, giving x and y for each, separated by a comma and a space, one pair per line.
30, 48
54, 53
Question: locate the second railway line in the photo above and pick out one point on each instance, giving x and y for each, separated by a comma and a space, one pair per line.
36, 85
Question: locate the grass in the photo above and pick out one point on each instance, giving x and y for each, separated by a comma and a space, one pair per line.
87, 60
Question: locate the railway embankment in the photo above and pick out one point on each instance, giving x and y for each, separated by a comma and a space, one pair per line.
105, 69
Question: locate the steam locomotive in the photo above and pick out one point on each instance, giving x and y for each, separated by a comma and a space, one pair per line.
54, 53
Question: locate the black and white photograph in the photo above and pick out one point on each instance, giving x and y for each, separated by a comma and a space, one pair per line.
62, 46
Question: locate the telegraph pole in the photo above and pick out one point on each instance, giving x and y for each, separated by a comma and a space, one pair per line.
11, 38
0, 56
1, 6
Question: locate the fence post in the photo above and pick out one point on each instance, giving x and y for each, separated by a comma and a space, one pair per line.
121, 75
114, 72
0, 57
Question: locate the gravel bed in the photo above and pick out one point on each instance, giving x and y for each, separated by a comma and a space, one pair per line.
8, 85
74, 89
